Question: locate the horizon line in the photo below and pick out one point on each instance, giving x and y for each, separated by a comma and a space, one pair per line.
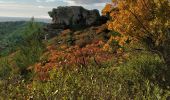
26, 17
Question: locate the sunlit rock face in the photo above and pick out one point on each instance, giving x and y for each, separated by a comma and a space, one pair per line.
75, 17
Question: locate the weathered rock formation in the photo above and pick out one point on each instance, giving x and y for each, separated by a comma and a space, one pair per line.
74, 18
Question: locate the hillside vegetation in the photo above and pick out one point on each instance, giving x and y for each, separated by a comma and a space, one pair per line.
125, 58
12, 34
7, 29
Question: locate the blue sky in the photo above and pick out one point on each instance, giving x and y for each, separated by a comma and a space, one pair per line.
39, 8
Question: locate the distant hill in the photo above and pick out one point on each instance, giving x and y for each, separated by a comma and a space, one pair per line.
9, 19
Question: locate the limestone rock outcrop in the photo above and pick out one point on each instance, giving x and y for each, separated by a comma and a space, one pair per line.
75, 17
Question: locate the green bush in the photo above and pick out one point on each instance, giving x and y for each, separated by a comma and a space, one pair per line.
5, 68
140, 78
30, 49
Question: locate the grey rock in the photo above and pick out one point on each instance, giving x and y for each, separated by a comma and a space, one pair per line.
74, 17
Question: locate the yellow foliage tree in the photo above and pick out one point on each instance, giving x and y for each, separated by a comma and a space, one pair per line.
147, 21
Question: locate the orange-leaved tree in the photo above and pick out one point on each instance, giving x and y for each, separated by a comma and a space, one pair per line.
147, 21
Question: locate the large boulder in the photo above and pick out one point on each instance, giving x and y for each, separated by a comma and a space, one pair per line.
75, 17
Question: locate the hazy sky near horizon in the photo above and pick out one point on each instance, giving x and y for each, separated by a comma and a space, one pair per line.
40, 8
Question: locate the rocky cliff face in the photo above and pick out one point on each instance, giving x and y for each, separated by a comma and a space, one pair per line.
74, 18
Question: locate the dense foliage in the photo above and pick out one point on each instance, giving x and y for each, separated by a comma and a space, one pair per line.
131, 61
9, 32
146, 21
26, 52
12, 34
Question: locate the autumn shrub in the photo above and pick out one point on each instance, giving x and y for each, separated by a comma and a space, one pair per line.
145, 21
69, 57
